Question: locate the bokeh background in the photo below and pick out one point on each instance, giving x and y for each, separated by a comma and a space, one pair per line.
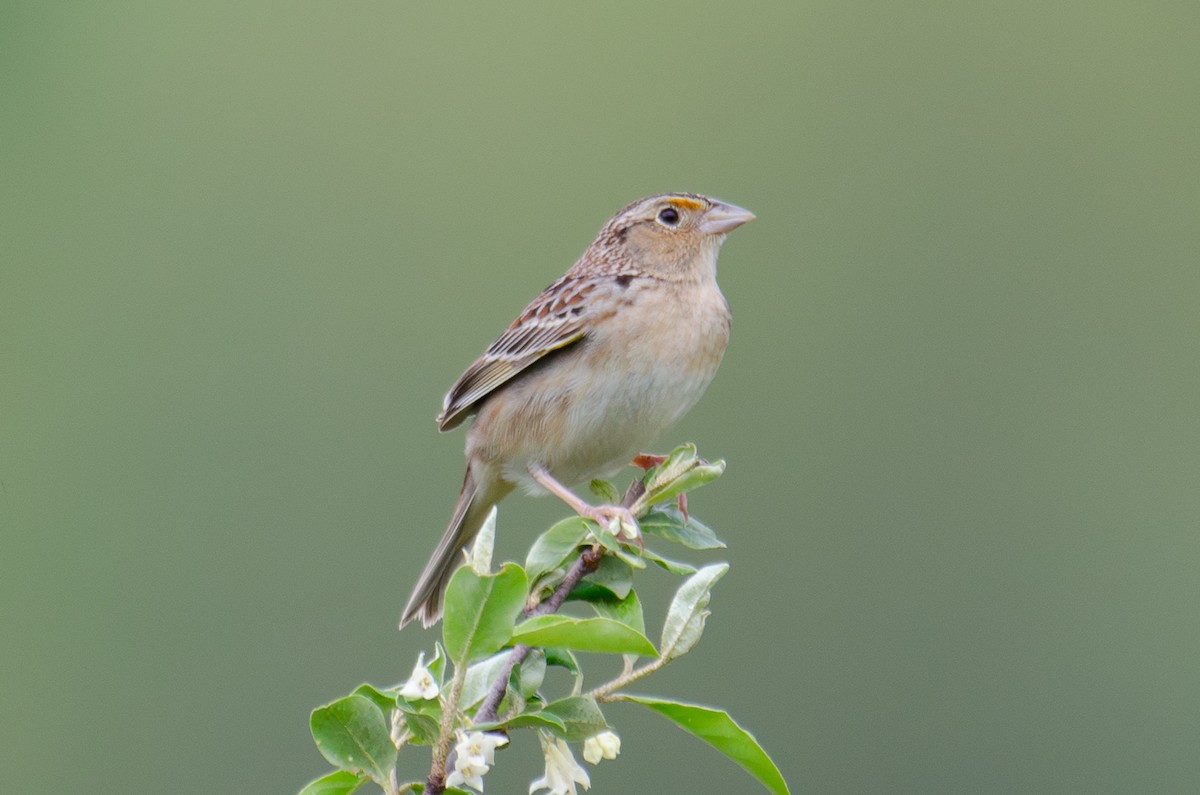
247, 246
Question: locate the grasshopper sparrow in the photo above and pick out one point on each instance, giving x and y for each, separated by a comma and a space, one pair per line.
593, 370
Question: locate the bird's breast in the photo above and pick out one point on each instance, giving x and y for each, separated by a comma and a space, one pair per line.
587, 412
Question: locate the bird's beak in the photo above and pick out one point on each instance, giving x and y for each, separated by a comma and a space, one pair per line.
722, 218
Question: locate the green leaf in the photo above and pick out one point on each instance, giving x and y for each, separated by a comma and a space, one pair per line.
673, 566
583, 634
668, 522
685, 618
352, 734
480, 556
563, 659
384, 699
678, 461
481, 611
532, 672
580, 715
526, 720
605, 491
681, 472
480, 677
628, 611
339, 782
437, 666
588, 592
614, 545
694, 478
716, 728
514, 700
554, 547
613, 575
423, 719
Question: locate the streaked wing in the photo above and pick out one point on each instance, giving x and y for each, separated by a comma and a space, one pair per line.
555, 319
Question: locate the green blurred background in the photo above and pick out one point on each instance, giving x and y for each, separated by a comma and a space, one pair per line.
247, 246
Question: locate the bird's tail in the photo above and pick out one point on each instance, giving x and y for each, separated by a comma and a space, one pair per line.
470, 512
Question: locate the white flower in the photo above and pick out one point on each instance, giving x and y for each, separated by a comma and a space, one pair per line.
421, 684
468, 770
605, 745
474, 754
562, 771
480, 744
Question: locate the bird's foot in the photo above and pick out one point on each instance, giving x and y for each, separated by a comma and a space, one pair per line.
616, 518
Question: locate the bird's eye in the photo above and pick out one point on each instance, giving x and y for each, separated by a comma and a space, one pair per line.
668, 216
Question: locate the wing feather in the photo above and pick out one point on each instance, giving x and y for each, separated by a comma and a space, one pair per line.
557, 318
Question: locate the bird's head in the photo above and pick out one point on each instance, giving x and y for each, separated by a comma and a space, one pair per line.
673, 233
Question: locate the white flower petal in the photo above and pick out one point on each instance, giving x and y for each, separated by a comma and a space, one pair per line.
470, 774
482, 745
474, 754
562, 771
421, 685
605, 745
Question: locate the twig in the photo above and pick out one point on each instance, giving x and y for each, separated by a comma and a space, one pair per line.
607, 691
585, 564
436, 783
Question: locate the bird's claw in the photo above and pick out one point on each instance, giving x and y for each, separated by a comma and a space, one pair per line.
618, 520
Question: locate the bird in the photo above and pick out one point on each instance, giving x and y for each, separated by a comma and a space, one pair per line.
591, 371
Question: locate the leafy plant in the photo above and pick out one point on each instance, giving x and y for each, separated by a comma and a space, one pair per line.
501, 632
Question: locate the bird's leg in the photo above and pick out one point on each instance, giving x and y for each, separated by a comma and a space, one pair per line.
601, 514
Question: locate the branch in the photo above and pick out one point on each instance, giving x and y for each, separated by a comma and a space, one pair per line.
607, 691
436, 783
584, 565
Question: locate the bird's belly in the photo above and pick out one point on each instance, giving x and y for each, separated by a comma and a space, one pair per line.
588, 422
623, 415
